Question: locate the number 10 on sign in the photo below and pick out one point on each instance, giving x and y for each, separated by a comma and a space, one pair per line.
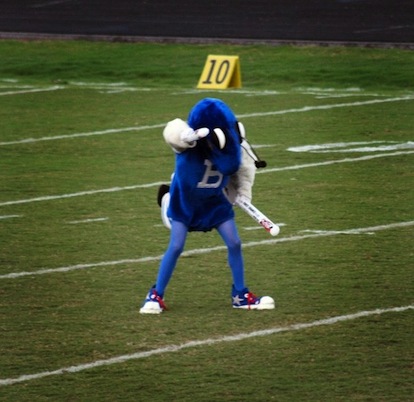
220, 72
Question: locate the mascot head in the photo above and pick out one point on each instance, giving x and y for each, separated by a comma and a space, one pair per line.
222, 144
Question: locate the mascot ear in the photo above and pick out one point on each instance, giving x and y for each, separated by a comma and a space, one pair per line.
218, 138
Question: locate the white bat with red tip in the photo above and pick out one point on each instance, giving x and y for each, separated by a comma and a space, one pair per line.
245, 204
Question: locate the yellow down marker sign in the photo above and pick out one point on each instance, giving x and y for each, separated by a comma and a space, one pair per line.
220, 72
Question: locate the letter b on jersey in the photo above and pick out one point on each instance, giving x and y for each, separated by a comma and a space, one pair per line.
212, 178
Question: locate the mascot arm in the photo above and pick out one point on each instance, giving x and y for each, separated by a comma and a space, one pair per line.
180, 136
242, 181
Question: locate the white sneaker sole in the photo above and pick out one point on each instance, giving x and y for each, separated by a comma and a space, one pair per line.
151, 307
266, 303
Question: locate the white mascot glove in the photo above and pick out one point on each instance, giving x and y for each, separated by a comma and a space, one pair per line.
180, 136
190, 136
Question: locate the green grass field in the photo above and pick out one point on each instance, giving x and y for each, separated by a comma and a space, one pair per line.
81, 158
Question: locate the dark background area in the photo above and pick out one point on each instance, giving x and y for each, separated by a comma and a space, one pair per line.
376, 21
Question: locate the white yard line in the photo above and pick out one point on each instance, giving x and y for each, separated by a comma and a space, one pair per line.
198, 251
27, 91
89, 220
242, 116
9, 216
156, 184
81, 193
204, 342
326, 107
327, 163
87, 134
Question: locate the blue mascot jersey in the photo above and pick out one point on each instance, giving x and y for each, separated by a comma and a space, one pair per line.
202, 172
197, 198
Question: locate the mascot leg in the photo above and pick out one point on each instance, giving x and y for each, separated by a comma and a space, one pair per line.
154, 302
242, 298
228, 231
169, 261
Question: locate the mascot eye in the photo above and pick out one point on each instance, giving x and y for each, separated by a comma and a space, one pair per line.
219, 138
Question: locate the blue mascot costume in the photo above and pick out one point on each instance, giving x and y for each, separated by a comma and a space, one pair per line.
212, 167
